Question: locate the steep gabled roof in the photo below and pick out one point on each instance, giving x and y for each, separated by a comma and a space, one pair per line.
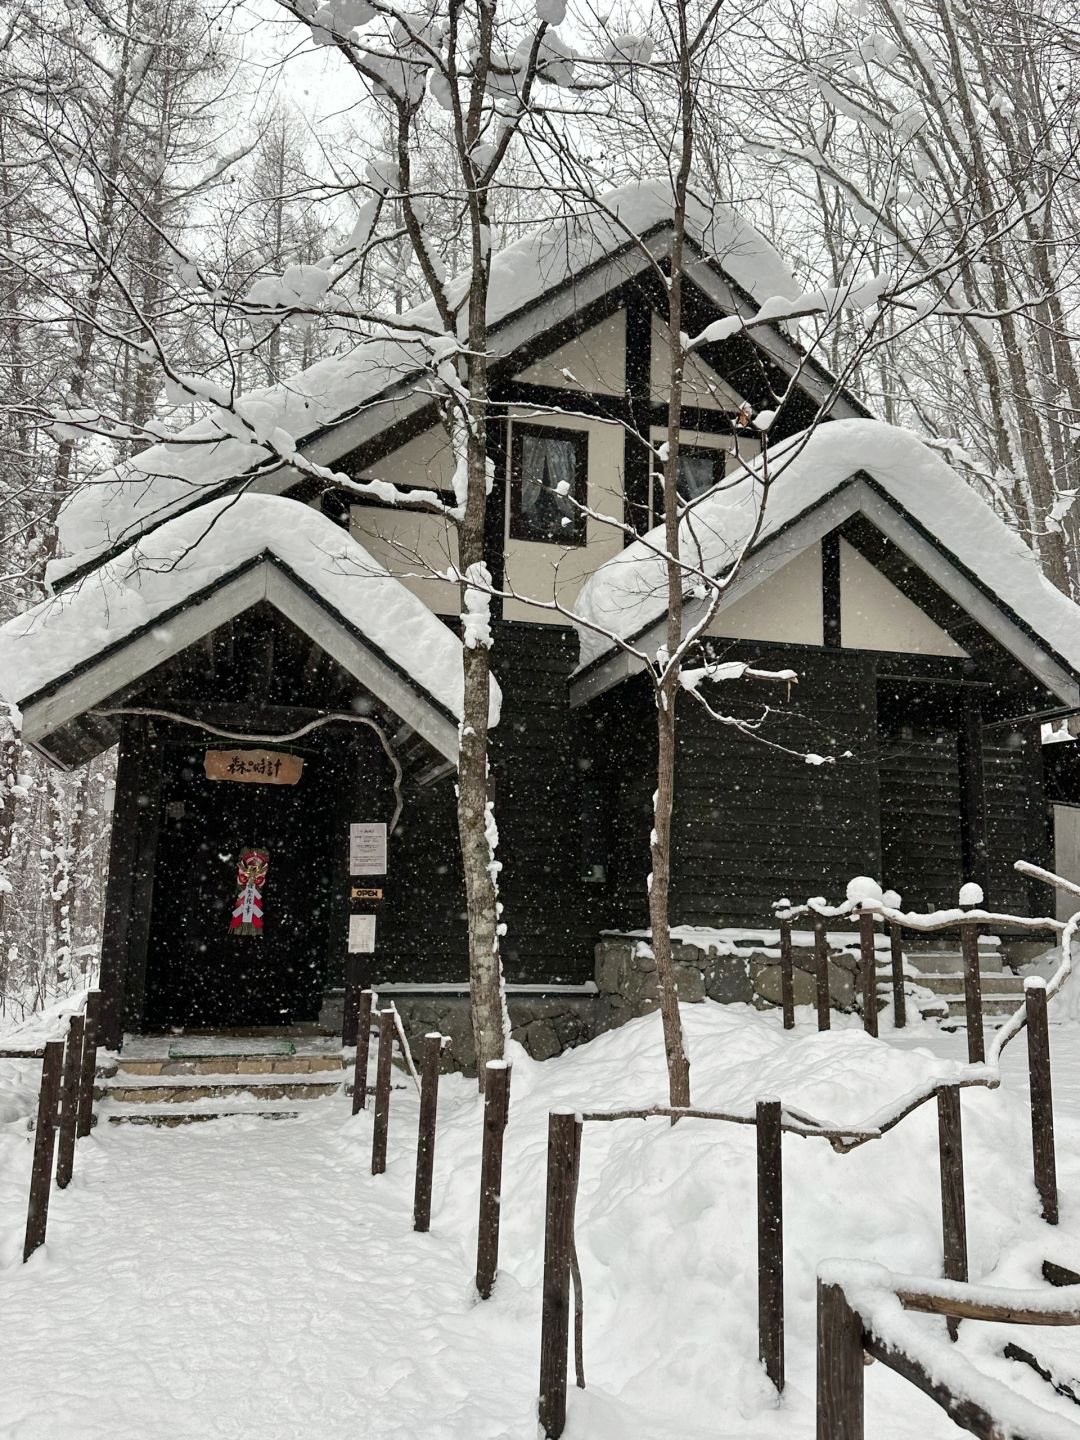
815, 481
336, 404
178, 583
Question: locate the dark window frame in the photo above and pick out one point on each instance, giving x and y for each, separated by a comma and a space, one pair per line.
716, 453
572, 536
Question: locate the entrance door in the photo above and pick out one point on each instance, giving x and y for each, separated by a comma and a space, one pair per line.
201, 974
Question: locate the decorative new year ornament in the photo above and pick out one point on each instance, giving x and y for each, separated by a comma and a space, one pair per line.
247, 918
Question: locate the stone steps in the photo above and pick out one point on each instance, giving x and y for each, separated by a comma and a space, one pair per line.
152, 1085
949, 984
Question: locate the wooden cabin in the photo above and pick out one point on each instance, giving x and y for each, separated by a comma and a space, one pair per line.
278, 659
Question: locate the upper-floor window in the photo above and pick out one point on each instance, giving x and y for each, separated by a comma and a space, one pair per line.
549, 476
700, 468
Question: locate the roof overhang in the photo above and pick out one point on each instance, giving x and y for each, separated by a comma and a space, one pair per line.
858, 495
68, 700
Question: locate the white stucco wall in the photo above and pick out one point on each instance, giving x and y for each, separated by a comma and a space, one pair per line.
543, 572
874, 615
785, 608
596, 360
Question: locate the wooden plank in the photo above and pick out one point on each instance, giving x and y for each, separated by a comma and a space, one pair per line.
821, 972
969, 947
770, 1258
1040, 1085
840, 1367
896, 958
37, 1210
562, 1174
69, 1101
362, 1013
868, 972
382, 1092
89, 1064
787, 976
496, 1113
951, 1166
425, 1136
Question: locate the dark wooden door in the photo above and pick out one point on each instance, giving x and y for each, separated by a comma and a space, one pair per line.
202, 975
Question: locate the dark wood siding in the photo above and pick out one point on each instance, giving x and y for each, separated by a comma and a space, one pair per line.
920, 819
751, 822
1015, 820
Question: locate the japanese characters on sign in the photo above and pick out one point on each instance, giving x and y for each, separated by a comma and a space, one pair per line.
367, 849
253, 767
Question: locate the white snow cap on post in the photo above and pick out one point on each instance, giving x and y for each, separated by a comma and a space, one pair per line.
891, 899
971, 895
863, 890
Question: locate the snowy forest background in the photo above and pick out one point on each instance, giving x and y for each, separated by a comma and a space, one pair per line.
159, 159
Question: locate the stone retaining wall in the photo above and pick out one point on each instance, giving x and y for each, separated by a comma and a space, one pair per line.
744, 969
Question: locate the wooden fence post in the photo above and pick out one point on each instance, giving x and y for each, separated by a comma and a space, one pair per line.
953, 1209
787, 975
1043, 1154
770, 1217
821, 969
37, 1211
969, 948
496, 1112
382, 1092
839, 1366
363, 1050
425, 1135
896, 955
89, 1064
69, 1101
868, 971
349, 1002
562, 1171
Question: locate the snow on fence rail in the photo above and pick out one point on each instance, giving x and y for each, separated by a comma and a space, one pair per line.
867, 905
863, 1310
65, 1108
772, 1119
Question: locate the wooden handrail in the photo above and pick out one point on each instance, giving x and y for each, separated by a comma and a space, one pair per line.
970, 1309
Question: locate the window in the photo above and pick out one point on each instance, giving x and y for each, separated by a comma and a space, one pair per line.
548, 479
699, 470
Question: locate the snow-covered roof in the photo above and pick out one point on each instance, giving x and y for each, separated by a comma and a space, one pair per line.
627, 594
181, 561
170, 476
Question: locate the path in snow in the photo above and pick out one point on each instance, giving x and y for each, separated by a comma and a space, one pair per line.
246, 1278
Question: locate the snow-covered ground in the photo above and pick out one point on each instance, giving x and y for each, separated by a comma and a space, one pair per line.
250, 1278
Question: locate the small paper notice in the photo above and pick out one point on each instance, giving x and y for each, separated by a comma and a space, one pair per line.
361, 934
367, 849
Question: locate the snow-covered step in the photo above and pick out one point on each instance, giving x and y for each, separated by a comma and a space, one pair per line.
170, 1116
946, 961
950, 984
189, 1089
243, 1066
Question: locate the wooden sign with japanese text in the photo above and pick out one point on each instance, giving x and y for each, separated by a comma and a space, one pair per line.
253, 767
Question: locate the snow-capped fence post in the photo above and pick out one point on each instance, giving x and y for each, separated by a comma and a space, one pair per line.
37, 1211
382, 1092
69, 1101
770, 1218
896, 957
953, 1208
363, 1050
425, 1135
564, 1150
969, 949
1042, 1098
840, 1366
496, 1113
868, 971
787, 975
821, 969
88, 1075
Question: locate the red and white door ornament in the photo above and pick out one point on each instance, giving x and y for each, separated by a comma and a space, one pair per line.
247, 918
